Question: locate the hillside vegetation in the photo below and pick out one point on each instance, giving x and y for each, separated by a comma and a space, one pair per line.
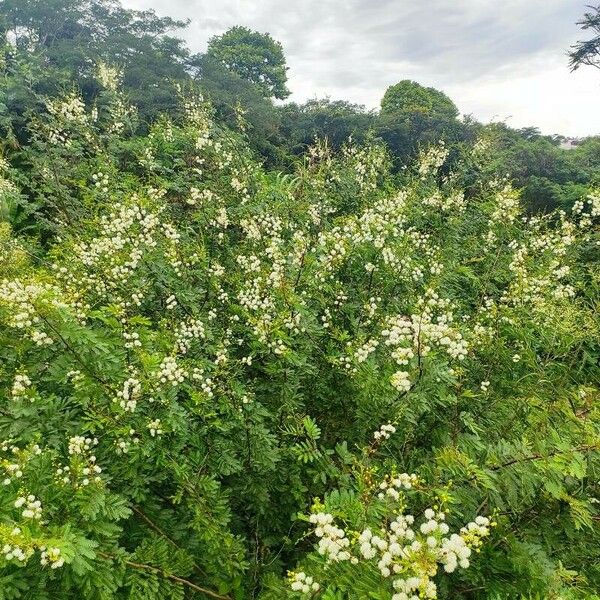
240, 362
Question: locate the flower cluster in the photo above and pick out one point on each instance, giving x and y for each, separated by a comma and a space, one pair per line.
32, 507
20, 387
16, 460
303, 583
333, 542
407, 554
109, 76
432, 159
170, 372
128, 395
52, 557
82, 469
384, 432
13, 550
27, 303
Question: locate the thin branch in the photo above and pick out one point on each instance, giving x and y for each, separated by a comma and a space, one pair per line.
163, 573
542, 456
157, 529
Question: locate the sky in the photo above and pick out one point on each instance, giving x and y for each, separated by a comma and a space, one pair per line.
499, 60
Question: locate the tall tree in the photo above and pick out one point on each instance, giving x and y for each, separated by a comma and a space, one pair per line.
65, 39
410, 98
335, 120
413, 115
587, 52
255, 57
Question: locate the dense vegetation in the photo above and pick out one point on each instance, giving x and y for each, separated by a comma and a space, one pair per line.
239, 362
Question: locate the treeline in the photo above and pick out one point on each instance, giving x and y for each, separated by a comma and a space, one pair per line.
54, 45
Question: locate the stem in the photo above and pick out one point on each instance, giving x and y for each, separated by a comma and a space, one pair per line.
175, 578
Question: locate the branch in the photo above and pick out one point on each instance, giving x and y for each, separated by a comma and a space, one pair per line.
175, 578
160, 532
541, 456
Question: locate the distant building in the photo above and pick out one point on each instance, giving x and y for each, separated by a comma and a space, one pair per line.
570, 143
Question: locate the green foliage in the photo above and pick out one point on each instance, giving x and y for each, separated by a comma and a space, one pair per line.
412, 116
55, 43
255, 57
587, 52
408, 98
194, 349
550, 176
337, 121
205, 361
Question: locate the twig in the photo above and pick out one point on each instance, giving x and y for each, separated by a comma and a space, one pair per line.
176, 578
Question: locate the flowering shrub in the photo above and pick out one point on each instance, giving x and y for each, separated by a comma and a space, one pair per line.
406, 555
198, 348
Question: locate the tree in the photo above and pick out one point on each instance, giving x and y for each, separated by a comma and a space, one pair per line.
413, 115
241, 105
209, 363
335, 121
587, 52
255, 57
64, 40
408, 98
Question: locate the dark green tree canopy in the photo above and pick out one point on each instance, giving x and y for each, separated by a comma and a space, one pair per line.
254, 56
335, 120
587, 52
66, 39
409, 97
413, 115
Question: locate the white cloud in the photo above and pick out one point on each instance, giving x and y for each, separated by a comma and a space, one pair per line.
495, 59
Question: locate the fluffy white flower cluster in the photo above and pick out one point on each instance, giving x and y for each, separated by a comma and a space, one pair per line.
52, 557
589, 206
303, 583
187, 332
127, 397
33, 507
100, 180
21, 385
363, 352
79, 444
392, 486
14, 551
132, 340
454, 202
201, 197
155, 428
384, 432
171, 302
83, 469
414, 588
18, 458
406, 554
69, 115
456, 550
70, 108
401, 381
530, 284
109, 259
418, 334
333, 542
21, 299
207, 385
109, 76
506, 205
367, 163
432, 159
170, 372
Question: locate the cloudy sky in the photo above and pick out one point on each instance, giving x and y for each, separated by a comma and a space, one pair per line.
498, 60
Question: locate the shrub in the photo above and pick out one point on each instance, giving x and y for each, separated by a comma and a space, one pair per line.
200, 351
